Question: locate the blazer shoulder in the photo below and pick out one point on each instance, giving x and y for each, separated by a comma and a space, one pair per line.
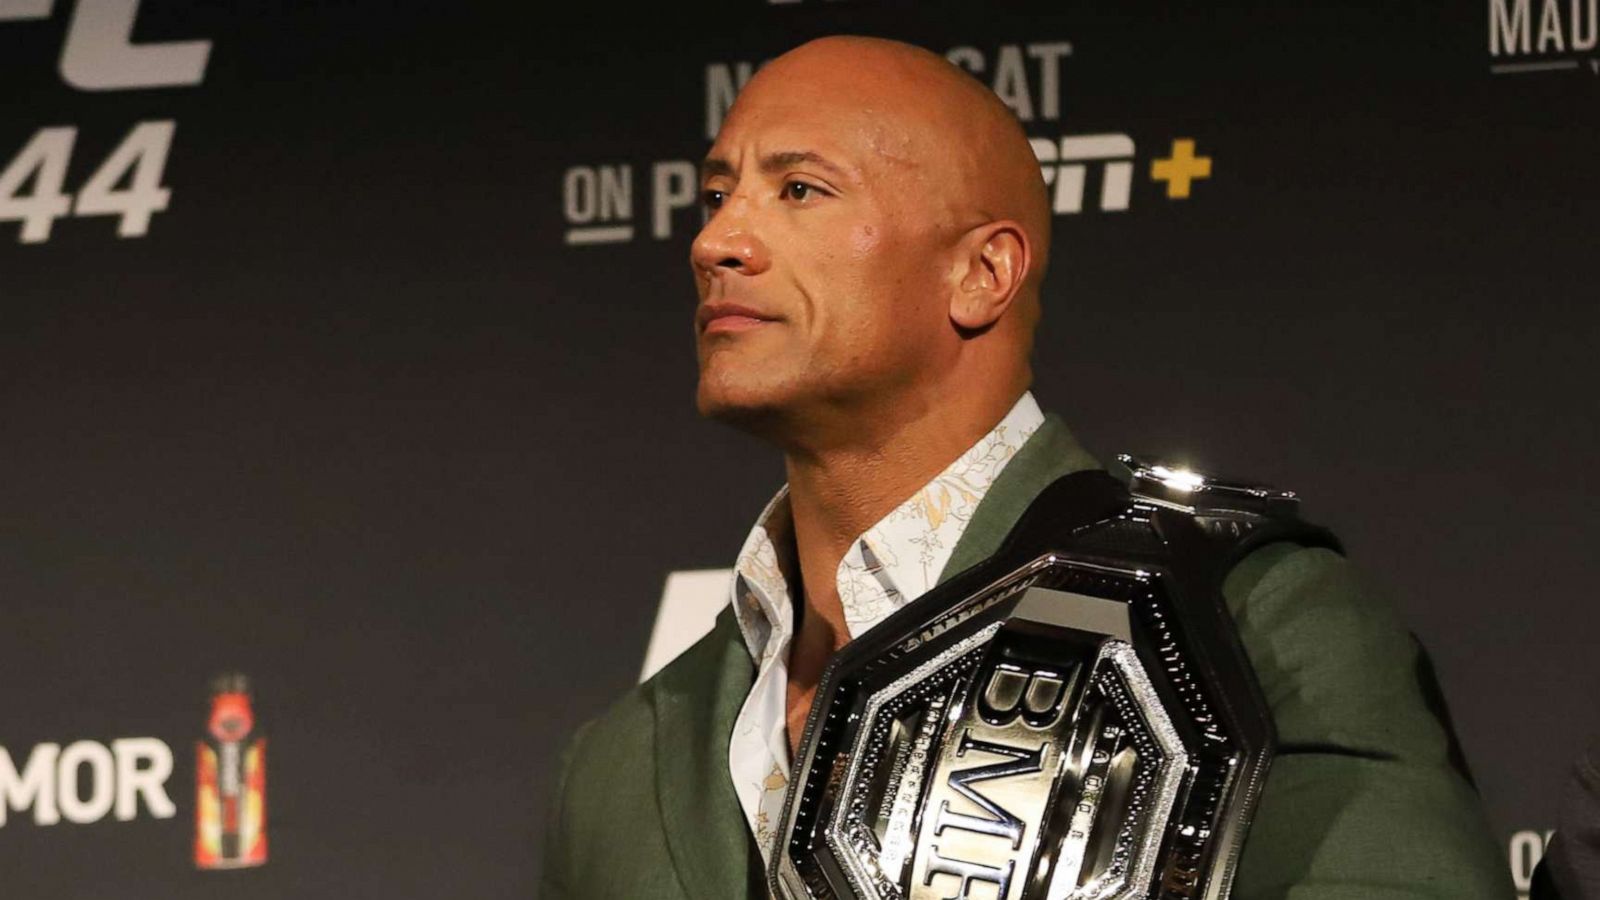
1367, 796
605, 780
1334, 660
622, 737
607, 795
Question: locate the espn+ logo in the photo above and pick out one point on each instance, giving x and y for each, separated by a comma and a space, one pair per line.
85, 781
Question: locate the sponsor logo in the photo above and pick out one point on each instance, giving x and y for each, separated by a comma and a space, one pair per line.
230, 825
1543, 36
620, 201
1524, 852
98, 55
85, 781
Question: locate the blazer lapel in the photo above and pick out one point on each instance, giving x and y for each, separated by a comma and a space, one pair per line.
696, 704
1050, 453
697, 699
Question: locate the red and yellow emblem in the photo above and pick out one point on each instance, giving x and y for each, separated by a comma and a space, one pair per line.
231, 783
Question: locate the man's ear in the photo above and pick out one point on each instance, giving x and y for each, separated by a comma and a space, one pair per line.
992, 261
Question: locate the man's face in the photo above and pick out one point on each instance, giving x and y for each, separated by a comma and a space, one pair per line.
821, 275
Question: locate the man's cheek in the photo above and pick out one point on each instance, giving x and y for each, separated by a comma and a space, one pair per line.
864, 242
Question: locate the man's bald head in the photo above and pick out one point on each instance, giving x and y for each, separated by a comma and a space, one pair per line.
934, 117
878, 231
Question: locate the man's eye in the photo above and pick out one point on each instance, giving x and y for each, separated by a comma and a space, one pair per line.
799, 190
712, 199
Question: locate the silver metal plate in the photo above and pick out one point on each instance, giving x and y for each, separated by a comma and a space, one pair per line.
1015, 747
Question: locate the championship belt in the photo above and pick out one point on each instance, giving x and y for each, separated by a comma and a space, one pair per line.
1073, 718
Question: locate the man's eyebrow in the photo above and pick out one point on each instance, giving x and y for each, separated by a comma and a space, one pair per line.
773, 162
712, 166
786, 158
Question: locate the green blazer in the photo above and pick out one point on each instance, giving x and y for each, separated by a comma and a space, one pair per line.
1362, 802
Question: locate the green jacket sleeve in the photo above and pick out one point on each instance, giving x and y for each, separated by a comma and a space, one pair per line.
1362, 801
604, 838
554, 876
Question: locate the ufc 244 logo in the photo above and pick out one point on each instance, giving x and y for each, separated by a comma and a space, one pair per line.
139, 160
99, 54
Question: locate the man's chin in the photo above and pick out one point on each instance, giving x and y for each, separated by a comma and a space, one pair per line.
743, 408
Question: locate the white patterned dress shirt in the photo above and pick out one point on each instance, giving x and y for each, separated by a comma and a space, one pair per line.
893, 563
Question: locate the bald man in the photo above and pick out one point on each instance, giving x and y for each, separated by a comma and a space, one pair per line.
868, 283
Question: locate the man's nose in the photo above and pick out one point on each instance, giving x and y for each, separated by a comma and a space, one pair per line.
728, 243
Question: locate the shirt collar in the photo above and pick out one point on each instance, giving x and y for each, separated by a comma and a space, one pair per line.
893, 563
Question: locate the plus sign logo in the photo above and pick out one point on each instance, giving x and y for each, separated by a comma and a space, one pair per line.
1068, 163
1181, 169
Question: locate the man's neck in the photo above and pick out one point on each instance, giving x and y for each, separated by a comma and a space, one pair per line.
836, 495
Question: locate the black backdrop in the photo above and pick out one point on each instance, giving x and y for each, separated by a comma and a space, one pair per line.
361, 415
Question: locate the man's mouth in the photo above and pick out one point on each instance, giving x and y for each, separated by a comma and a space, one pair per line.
721, 317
